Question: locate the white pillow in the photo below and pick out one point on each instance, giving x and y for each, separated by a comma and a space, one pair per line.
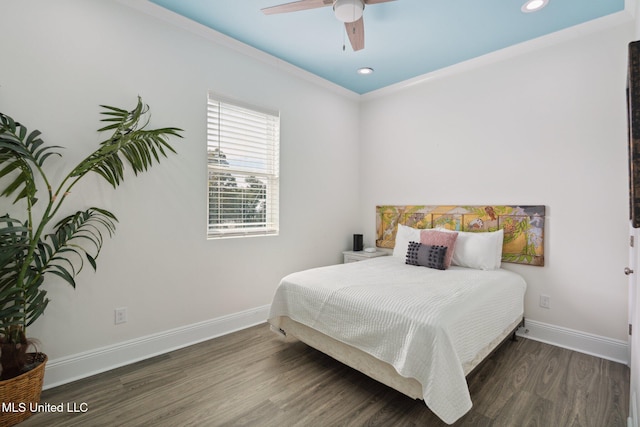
482, 251
404, 235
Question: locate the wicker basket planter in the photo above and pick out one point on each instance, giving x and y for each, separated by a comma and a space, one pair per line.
18, 393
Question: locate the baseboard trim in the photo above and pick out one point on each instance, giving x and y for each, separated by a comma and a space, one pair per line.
82, 365
67, 369
582, 342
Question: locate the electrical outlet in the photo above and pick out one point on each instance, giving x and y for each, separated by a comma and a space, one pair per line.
120, 315
545, 301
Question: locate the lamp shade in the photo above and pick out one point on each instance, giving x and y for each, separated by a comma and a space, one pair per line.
348, 10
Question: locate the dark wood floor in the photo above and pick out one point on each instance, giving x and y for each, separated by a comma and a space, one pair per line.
250, 378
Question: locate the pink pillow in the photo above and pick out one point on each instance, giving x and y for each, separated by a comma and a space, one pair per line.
442, 238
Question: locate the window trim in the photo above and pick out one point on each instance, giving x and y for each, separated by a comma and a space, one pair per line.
270, 174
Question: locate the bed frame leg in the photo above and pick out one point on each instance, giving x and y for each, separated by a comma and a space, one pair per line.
514, 337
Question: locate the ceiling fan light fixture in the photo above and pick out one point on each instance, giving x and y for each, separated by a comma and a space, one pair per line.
348, 10
533, 5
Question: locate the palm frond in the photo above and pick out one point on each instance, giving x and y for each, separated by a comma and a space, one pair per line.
130, 142
76, 237
22, 154
35, 297
14, 245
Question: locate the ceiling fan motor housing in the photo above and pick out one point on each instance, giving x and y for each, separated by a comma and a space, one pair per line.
348, 10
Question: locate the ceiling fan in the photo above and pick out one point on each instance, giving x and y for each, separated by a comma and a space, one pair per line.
347, 11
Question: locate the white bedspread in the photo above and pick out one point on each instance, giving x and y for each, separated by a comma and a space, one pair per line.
426, 323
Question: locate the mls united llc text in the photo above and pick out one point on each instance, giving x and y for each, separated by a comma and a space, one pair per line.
14, 407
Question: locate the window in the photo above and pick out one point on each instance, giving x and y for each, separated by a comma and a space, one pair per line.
243, 150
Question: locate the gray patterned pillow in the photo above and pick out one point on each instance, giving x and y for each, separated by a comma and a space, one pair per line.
432, 256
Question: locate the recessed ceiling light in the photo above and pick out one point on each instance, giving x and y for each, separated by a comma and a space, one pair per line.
534, 5
365, 70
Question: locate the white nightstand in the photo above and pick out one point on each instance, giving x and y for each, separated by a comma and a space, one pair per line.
353, 256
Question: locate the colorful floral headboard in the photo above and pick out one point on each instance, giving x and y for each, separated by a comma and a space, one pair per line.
523, 226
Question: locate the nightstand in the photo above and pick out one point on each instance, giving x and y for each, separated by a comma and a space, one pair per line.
353, 256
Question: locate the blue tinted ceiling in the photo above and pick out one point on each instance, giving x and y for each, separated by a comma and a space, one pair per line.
403, 38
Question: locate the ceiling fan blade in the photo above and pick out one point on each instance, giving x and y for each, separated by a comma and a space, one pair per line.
376, 1
355, 31
296, 6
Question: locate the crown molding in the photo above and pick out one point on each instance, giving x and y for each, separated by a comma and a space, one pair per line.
594, 26
624, 17
172, 18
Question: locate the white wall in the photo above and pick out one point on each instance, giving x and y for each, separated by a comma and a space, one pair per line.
62, 59
546, 127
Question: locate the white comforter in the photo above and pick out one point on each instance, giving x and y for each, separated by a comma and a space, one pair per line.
426, 323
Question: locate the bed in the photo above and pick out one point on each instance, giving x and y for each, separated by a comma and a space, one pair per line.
417, 328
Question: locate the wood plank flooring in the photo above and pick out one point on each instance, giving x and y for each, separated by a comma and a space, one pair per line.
251, 378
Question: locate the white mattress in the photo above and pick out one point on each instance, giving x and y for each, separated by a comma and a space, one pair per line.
426, 323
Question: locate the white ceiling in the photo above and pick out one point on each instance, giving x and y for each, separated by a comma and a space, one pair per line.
403, 38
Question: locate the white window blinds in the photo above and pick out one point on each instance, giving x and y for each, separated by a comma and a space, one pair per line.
243, 153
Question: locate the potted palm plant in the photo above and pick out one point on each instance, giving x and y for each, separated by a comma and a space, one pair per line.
37, 244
